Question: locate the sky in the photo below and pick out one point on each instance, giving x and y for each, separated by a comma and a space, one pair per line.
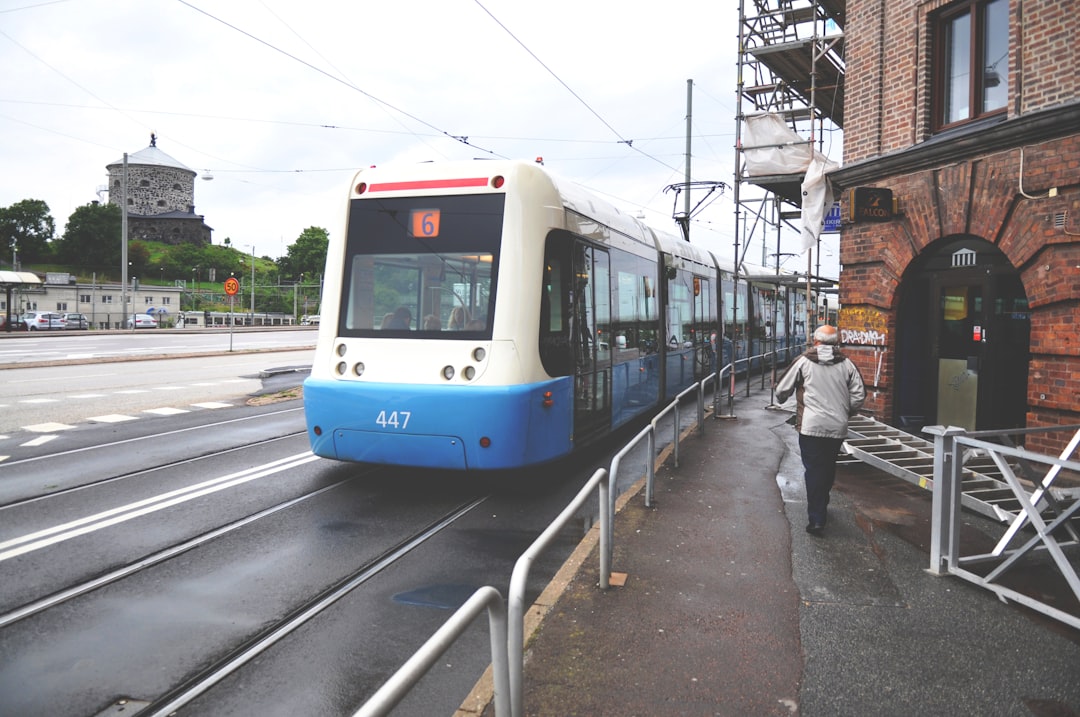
276, 103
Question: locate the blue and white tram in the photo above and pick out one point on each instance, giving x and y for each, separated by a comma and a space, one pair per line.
485, 315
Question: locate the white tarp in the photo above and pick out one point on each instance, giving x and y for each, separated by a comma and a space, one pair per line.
769, 146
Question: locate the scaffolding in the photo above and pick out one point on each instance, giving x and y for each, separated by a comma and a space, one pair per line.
790, 70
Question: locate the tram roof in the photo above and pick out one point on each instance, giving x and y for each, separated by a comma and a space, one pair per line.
816, 282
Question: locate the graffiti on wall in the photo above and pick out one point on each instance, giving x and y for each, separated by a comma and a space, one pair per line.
863, 326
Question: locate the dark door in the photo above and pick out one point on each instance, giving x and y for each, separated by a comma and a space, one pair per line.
980, 328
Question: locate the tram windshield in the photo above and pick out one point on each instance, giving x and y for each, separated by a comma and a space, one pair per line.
422, 267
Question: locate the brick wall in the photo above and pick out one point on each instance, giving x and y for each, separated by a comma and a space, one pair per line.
888, 68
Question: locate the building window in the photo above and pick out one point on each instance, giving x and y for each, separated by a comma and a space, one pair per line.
971, 61
61, 306
106, 298
148, 300
166, 300
84, 298
144, 182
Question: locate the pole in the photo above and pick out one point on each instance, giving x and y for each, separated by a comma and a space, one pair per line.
686, 198
252, 284
124, 242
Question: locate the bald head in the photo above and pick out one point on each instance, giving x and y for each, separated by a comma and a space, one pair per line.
826, 334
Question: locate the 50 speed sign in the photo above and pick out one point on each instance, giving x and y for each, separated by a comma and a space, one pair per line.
232, 286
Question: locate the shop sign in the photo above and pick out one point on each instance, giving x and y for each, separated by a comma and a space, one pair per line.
871, 204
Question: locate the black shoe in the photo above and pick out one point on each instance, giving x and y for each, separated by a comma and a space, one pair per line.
815, 529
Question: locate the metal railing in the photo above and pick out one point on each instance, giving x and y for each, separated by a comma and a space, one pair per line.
399, 684
508, 652
1050, 519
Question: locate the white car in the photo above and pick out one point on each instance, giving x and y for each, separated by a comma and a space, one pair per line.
142, 321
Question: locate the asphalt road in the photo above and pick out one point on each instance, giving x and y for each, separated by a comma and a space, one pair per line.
195, 557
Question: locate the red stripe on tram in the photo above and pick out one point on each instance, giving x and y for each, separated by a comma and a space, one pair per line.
429, 184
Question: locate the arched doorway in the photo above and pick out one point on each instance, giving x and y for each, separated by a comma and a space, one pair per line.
963, 332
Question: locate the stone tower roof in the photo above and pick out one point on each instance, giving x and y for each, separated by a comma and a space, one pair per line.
151, 156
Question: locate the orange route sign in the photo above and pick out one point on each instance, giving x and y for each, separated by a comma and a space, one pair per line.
232, 286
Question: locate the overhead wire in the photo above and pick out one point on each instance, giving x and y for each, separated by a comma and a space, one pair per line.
463, 139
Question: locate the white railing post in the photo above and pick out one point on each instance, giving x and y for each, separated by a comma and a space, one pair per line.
945, 510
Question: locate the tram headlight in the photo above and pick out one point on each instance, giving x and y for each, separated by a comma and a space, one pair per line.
479, 354
358, 368
448, 372
341, 349
341, 368
469, 373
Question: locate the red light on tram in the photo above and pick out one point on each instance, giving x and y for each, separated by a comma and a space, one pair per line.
548, 400
485, 442
317, 430
361, 188
497, 181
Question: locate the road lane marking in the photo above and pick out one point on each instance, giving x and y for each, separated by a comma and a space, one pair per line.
57, 534
39, 441
212, 404
47, 427
39, 400
112, 418
166, 411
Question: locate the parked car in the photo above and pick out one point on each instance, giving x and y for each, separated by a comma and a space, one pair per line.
77, 321
17, 324
141, 321
43, 320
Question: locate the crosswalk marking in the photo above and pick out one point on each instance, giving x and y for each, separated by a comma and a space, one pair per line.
212, 404
166, 411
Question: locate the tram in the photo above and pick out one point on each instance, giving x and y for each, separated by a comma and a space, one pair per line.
487, 315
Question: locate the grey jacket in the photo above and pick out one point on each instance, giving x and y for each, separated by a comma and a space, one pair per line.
828, 388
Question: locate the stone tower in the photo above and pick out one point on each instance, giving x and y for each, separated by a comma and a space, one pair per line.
160, 198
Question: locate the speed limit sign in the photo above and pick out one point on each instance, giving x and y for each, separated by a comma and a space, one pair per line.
232, 286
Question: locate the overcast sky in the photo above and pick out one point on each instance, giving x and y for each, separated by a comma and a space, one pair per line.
281, 101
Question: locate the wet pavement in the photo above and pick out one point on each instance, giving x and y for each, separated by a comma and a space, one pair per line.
731, 608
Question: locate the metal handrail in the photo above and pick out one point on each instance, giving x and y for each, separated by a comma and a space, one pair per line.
513, 643
518, 579
394, 690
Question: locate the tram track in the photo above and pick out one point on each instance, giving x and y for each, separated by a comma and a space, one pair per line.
207, 678
155, 558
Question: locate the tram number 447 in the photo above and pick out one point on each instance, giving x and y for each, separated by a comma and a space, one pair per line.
394, 419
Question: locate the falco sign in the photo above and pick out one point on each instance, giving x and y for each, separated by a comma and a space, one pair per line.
871, 204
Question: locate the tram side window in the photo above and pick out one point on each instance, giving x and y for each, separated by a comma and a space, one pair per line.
734, 320
636, 307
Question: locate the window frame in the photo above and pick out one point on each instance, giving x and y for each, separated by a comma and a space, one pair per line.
976, 10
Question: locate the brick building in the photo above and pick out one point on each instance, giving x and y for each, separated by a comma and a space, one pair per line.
962, 306
160, 198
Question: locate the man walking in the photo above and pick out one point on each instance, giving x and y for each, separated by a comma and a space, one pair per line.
829, 390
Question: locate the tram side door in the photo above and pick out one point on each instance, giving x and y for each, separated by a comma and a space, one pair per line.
591, 342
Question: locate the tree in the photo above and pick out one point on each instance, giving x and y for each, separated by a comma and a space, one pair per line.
28, 227
92, 237
307, 255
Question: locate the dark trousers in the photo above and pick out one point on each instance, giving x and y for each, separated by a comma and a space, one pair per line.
819, 463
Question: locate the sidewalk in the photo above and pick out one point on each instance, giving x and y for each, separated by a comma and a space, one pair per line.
731, 608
